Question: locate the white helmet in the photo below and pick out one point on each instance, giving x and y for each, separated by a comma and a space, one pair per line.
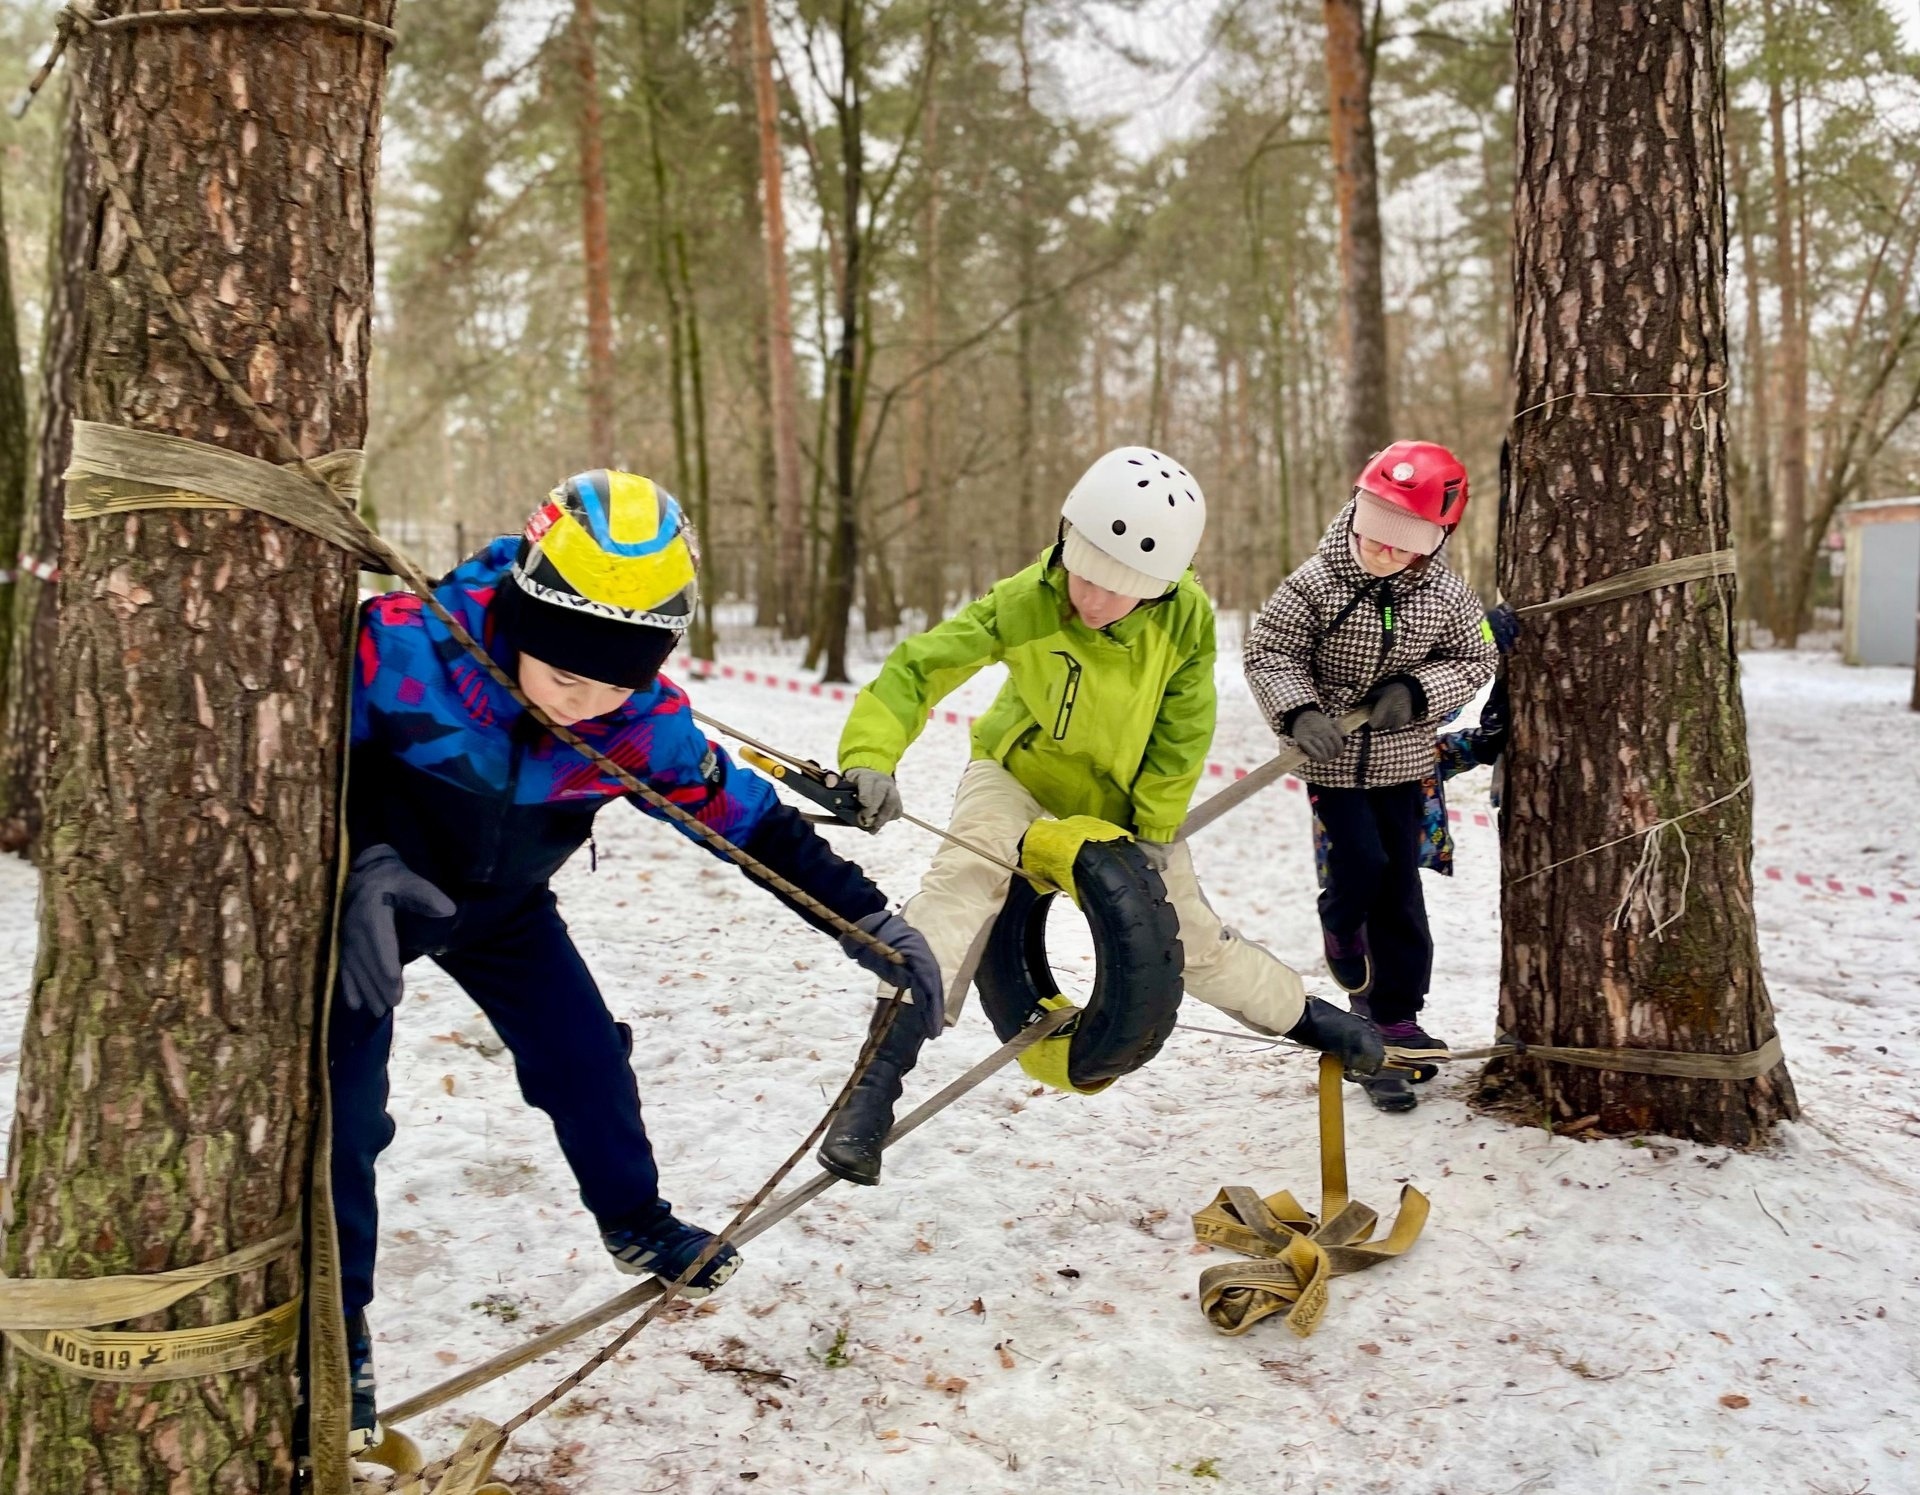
1133, 522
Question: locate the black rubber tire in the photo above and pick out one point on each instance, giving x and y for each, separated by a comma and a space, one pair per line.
1138, 963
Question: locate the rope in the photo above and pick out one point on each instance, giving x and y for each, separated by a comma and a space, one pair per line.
1670, 1063
80, 20
1655, 828
1699, 410
781, 1209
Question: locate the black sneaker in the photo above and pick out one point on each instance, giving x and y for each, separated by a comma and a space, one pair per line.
1348, 961
368, 1440
365, 1425
666, 1248
1390, 1090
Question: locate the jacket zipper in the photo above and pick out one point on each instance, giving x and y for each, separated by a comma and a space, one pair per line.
514, 756
1386, 652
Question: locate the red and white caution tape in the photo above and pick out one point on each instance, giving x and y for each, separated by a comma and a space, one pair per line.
710, 668
35, 567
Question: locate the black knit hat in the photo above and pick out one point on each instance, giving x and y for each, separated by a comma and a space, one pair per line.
627, 655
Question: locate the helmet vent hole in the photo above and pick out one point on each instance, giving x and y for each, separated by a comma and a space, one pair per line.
1147, 544
1170, 499
1119, 526
1143, 482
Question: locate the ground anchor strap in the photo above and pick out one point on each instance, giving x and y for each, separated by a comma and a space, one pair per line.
1297, 1254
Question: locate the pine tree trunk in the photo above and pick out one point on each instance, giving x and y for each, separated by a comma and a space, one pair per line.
789, 501
596, 253
1791, 518
164, 1104
14, 470
929, 537
26, 728
744, 166
1357, 188
843, 546
1753, 513
1626, 713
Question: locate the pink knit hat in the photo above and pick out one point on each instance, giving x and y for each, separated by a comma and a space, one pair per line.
1386, 524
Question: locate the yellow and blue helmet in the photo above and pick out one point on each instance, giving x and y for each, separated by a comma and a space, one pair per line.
604, 582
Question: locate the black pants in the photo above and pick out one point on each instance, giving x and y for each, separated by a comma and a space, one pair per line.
516, 960
1373, 884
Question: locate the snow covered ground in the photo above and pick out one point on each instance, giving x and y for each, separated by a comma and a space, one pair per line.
1013, 1310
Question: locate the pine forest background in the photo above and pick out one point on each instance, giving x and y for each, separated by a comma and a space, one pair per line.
1017, 232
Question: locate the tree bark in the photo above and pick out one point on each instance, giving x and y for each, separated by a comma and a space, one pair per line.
789, 501
930, 538
1026, 259
26, 729
1357, 189
1753, 511
593, 213
1626, 713
1791, 515
843, 549
14, 470
164, 1106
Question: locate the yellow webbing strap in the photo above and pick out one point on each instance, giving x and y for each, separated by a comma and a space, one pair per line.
1297, 1254
468, 1472
170, 1355
1050, 848
53, 1319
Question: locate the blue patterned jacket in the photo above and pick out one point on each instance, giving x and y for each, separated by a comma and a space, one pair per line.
481, 800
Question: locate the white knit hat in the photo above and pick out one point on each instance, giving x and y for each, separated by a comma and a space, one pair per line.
1089, 562
1387, 524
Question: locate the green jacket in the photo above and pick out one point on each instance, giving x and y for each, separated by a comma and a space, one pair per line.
1114, 724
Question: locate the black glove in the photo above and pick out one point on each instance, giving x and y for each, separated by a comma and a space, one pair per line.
1391, 705
920, 973
1505, 623
369, 940
1318, 734
1350, 1038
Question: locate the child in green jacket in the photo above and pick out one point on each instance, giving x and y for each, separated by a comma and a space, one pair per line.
1108, 712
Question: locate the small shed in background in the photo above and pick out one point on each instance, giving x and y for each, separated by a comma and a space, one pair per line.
1881, 596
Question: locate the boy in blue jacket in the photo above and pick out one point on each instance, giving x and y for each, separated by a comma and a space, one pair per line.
461, 808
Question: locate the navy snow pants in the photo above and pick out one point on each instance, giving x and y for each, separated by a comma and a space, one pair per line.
1373, 883
514, 957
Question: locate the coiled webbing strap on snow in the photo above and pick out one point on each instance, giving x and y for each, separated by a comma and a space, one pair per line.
1295, 1254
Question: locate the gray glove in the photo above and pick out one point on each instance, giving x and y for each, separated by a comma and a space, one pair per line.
1157, 853
879, 796
1319, 735
378, 884
920, 974
1392, 706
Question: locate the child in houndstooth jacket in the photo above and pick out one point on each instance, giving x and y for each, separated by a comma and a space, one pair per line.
1375, 620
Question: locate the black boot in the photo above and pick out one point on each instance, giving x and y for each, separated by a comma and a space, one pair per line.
1348, 1035
852, 1148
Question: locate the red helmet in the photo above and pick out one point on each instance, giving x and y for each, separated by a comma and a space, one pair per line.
1422, 477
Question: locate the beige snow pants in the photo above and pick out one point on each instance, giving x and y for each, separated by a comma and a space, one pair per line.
962, 893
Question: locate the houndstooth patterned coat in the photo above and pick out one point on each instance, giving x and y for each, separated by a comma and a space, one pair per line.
1331, 633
